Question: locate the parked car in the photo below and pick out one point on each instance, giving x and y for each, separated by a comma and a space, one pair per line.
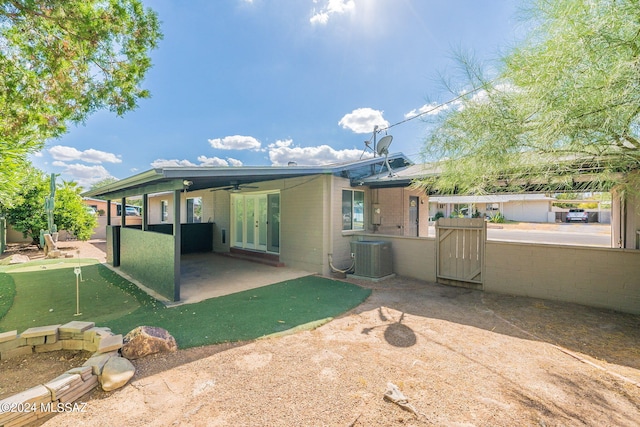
577, 215
131, 211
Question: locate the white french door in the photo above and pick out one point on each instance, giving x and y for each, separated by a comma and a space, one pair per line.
250, 220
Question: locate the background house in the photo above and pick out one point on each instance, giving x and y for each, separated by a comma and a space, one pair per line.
514, 207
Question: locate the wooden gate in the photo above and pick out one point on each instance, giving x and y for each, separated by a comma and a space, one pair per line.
460, 251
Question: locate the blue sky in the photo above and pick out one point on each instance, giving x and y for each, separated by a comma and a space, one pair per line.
265, 82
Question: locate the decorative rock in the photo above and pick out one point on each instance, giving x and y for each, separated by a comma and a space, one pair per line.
110, 343
8, 336
98, 361
19, 259
146, 340
116, 373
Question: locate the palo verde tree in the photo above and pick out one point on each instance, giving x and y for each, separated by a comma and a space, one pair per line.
61, 61
564, 101
27, 212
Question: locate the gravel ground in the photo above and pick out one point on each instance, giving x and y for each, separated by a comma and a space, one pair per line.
461, 358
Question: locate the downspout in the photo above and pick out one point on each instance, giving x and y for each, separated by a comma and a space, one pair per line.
623, 220
330, 203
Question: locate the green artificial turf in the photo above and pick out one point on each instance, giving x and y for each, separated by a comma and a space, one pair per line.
45, 294
109, 300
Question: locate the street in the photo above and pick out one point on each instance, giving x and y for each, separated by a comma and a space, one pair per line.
558, 234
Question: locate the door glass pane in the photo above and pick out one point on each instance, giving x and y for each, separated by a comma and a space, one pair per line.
262, 222
273, 229
346, 209
238, 205
358, 210
250, 205
189, 210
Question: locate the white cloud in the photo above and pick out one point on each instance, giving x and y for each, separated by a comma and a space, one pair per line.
363, 120
236, 142
332, 7
162, 163
84, 175
67, 154
204, 161
283, 152
212, 161
428, 109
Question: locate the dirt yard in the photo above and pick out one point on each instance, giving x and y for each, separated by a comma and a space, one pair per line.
461, 358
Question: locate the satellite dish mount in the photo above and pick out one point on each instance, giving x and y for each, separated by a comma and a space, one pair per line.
382, 149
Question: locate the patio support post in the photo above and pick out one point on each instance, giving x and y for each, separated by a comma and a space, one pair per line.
177, 239
123, 213
109, 212
145, 210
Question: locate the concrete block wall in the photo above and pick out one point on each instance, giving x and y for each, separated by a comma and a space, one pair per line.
59, 393
597, 277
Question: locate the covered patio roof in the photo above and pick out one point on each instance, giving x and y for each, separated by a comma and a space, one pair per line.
198, 177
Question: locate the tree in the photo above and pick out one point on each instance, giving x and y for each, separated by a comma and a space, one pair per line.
28, 215
63, 60
565, 101
71, 214
103, 182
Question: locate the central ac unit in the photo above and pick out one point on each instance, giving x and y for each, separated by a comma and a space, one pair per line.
372, 258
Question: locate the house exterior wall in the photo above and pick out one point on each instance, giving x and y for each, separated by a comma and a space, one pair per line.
530, 211
155, 209
339, 244
598, 277
302, 223
394, 211
525, 211
14, 236
633, 221
221, 209
625, 219
303, 220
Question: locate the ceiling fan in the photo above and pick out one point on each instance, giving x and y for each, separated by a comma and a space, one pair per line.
235, 187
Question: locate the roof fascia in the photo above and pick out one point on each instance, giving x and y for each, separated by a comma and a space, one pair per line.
171, 185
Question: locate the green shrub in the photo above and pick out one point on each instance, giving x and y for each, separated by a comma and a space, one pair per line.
497, 218
438, 216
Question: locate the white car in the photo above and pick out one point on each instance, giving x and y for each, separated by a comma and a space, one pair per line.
577, 215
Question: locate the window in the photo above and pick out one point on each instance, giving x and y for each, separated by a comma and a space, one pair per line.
194, 210
352, 210
164, 208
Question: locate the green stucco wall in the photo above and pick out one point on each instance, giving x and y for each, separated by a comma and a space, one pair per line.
149, 258
3, 235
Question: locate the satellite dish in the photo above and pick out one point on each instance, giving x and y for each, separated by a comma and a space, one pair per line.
383, 145
383, 150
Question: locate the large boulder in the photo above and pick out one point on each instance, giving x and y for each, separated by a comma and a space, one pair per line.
116, 372
146, 340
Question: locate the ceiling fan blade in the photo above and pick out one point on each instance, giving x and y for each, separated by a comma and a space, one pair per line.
221, 188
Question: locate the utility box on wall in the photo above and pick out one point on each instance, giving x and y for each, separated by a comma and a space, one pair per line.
372, 258
375, 214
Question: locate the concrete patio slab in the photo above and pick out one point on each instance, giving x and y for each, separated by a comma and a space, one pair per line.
209, 275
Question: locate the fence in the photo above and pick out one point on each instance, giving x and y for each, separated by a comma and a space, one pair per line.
598, 277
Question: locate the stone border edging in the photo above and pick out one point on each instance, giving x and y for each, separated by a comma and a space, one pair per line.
45, 399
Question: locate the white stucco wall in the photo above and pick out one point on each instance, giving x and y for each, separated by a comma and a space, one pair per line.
529, 211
